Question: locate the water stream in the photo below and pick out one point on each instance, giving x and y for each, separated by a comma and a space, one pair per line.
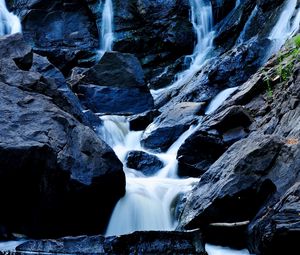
202, 21
286, 26
106, 34
9, 23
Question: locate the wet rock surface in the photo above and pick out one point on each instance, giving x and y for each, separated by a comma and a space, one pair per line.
146, 163
151, 242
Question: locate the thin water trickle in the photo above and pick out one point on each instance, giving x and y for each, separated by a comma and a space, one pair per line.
106, 35
9, 23
219, 99
202, 21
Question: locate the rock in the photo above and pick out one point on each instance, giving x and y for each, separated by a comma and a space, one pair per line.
151, 242
62, 167
167, 128
62, 31
221, 8
140, 121
227, 234
234, 67
157, 32
52, 166
113, 86
146, 163
232, 117
116, 69
236, 185
277, 228
61, 93
198, 153
14, 47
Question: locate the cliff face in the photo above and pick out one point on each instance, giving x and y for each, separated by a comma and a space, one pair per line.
246, 151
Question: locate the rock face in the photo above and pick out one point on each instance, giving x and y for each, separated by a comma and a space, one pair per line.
52, 166
167, 128
152, 242
114, 84
144, 162
64, 31
277, 229
256, 180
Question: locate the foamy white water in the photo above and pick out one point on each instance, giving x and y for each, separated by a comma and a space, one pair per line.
9, 23
202, 20
219, 250
148, 202
10, 245
107, 35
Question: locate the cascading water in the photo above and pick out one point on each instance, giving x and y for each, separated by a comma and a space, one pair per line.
107, 35
148, 200
202, 20
287, 25
9, 23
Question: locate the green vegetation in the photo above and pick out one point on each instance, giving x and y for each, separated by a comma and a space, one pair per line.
286, 61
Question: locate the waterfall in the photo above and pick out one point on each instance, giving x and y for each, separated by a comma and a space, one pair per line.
148, 200
286, 26
106, 35
202, 21
9, 23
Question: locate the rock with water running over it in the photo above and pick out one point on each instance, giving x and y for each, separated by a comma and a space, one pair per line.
52, 167
167, 128
151, 242
114, 84
146, 163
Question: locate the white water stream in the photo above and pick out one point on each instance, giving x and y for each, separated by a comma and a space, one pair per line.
106, 35
286, 26
9, 23
202, 20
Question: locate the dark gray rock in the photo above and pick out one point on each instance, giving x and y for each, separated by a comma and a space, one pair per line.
64, 31
221, 8
276, 230
15, 48
141, 121
236, 185
113, 85
146, 163
151, 242
167, 128
198, 153
116, 69
52, 166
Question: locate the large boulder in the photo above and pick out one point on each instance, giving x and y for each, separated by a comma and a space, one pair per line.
113, 85
235, 186
151, 242
52, 166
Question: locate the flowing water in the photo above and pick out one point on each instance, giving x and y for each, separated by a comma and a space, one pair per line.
106, 34
202, 20
286, 26
9, 23
148, 200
